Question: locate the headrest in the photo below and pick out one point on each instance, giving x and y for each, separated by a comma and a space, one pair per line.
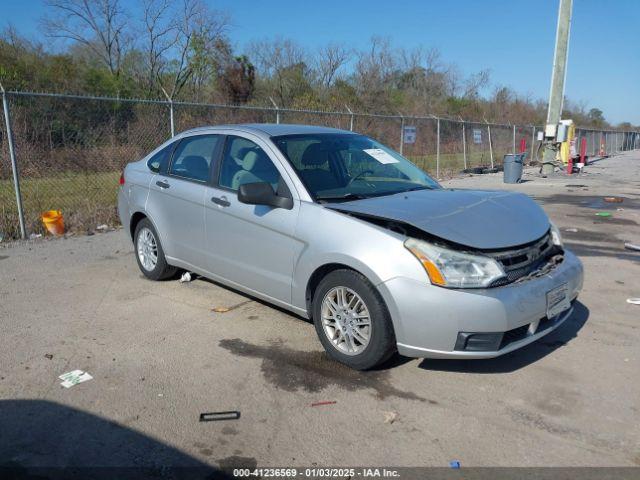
315, 154
250, 160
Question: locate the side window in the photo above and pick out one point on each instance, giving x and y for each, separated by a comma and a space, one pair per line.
160, 161
193, 157
245, 162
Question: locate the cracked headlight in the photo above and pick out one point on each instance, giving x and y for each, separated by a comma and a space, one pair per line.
453, 269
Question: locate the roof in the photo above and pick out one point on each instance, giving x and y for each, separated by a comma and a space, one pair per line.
275, 129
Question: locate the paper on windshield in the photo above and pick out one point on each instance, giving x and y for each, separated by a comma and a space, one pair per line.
380, 155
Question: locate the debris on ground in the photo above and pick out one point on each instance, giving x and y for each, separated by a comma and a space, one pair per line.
104, 226
75, 377
632, 246
220, 309
219, 416
228, 309
613, 199
572, 230
33, 236
633, 301
48, 356
454, 464
603, 214
390, 417
326, 402
186, 277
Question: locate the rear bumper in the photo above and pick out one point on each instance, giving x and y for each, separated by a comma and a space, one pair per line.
429, 319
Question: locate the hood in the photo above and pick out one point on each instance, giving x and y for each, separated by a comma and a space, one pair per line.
474, 218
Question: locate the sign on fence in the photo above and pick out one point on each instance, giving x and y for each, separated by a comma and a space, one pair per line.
409, 134
477, 135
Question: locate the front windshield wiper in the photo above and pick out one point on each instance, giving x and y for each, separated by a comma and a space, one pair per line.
413, 189
346, 196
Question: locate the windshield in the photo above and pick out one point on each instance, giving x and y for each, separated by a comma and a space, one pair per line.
342, 166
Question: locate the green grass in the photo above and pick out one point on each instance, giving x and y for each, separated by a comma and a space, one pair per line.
85, 199
454, 162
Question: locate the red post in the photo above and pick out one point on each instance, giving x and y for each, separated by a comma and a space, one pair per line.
523, 145
583, 151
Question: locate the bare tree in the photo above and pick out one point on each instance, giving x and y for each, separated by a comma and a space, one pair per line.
195, 33
330, 59
157, 36
100, 25
282, 64
475, 83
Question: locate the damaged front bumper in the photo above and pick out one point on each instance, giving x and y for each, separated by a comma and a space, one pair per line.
435, 322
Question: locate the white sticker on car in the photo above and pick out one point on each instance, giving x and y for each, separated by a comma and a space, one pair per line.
380, 155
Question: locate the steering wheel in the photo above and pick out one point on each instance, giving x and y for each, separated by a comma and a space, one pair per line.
358, 176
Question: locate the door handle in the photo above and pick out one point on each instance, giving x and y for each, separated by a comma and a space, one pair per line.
162, 184
222, 201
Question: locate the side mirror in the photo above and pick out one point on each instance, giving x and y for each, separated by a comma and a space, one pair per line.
262, 193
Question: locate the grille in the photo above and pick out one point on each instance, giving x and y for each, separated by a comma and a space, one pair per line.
540, 256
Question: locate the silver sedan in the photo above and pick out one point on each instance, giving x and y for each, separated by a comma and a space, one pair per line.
338, 228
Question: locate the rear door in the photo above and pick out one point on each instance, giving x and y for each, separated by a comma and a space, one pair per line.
176, 197
251, 245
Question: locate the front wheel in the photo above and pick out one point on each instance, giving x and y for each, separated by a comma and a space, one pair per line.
352, 320
149, 253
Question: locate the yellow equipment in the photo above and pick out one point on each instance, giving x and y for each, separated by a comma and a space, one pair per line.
568, 145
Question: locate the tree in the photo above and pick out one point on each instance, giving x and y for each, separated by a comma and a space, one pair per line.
283, 67
596, 117
99, 25
196, 37
329, 60
237, 81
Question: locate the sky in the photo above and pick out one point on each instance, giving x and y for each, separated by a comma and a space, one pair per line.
514, 39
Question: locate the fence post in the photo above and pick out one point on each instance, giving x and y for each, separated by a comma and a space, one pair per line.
351, 118
275, 105
464, 143
401, 133
171, 122
490, 146
514, 139
438, 150
14, 163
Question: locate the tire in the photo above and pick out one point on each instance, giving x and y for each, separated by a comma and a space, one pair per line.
381, 342
143, 235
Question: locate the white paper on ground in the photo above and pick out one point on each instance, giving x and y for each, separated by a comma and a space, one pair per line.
73, 378
380, 155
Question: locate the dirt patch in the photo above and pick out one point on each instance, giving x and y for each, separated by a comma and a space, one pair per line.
294, 370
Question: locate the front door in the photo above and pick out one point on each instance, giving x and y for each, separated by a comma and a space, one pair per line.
251, 245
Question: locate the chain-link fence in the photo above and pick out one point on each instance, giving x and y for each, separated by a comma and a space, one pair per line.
69, 150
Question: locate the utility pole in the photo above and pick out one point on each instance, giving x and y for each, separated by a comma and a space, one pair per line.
556, 94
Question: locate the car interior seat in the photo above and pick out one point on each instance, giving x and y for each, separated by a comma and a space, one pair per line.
317, 173
256, 167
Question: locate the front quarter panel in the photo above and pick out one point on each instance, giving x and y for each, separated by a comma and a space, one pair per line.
331, 237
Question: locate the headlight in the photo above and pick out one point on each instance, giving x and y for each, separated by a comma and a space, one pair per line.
556, 238
449, 268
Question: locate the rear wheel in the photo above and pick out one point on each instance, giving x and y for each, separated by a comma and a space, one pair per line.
149, 253
352, 320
